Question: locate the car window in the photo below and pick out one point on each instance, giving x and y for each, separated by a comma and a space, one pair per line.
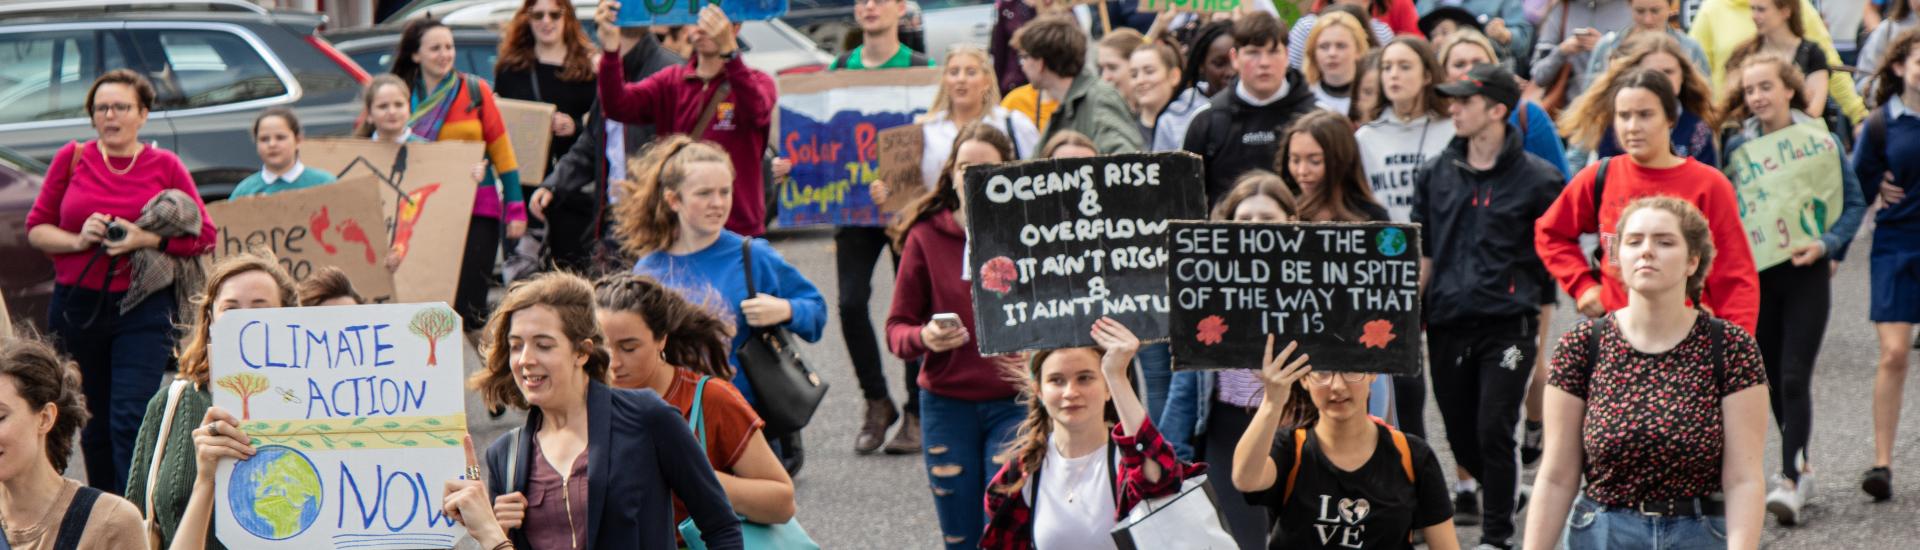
206, 68
374, 61
477, 59
45, 75
930, 5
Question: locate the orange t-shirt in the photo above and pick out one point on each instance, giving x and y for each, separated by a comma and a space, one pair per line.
731, 422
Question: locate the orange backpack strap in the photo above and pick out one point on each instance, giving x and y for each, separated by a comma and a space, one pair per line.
1399, 444
1299, 443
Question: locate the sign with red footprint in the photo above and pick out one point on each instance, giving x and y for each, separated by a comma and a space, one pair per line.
334, 225
1349, 293
426, 207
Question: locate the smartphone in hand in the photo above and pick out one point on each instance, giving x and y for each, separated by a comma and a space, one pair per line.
947, 321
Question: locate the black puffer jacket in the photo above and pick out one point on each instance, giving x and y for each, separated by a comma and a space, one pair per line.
1477, 228
1235, 136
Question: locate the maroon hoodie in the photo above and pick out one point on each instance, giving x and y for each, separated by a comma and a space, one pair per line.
929, 282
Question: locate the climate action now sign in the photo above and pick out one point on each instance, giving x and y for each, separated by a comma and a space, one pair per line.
1054, 245
1349, 293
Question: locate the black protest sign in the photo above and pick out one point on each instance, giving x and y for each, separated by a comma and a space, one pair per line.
1349, 293
1054, 245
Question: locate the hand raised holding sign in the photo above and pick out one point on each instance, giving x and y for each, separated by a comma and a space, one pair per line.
465, 501
218, 437
606, 27
1280, 375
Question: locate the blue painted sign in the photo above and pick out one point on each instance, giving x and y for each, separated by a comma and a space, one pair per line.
637, 13
830, 126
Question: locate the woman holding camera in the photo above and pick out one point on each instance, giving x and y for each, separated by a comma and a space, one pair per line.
121, 220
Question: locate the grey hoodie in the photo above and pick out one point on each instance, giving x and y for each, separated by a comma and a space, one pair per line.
1170, 128
1392, 150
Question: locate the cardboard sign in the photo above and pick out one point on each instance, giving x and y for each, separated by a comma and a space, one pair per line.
530, 130
1204, 6
1788, 184
830, 125
1054, 245
338, 224
356, 415
428, 204
1349, 293
641, 13
900, 150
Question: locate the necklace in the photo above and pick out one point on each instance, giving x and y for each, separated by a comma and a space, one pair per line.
104, 159
1076, 481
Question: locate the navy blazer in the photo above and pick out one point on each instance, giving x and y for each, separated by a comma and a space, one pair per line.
659, 459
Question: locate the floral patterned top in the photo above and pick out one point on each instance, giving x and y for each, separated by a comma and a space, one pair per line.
1653, 428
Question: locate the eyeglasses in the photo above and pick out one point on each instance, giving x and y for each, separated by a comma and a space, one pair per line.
539, 15
1324, 378
112, 108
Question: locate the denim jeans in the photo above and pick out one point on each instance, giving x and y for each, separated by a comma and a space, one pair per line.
122, 357
1156, 374
959, 440
1594, 526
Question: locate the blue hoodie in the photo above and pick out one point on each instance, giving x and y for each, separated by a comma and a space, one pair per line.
713, 278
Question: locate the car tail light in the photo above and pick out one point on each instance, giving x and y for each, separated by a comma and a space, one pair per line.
803, 69
359, 75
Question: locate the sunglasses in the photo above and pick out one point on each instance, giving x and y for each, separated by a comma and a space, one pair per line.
543, 14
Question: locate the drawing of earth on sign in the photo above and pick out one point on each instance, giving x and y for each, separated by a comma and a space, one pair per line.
276, 494
1392, 241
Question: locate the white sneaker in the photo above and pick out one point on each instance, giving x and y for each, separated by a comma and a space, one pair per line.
1785, 504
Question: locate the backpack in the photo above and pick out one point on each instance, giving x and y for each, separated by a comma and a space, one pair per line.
1300, 444
1717, 336
914, 59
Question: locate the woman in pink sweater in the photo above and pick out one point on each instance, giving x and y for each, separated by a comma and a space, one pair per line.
968, 411
84, 219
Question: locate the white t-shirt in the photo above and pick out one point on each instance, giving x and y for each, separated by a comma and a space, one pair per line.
1074, 502
938, 131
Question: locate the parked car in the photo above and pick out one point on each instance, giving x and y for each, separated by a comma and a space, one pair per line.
942, 24
26, 278
475, 48
214, 63
772, 46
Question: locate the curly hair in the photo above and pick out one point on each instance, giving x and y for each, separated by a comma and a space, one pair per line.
571, 299
695, 338
646, 223
1886, 83
1736, 99
1693, 230
516, 47
45, 378
1590, 116
192, 357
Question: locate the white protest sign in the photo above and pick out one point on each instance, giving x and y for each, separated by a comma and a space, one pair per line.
356, 414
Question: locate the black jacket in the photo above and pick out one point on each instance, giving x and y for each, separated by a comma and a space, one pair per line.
629, 503
583, 168
1235, 136
1477, 228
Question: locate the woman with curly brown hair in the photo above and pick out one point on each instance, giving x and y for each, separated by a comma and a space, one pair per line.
556, 475
1588, 122
41, 409
545, 56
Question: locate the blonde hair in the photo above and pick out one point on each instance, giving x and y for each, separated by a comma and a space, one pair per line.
646, 223
1589, 117
943, 104
1468, 37
1335, 19
192, 357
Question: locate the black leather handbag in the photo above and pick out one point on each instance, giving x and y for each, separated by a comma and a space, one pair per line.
788, 390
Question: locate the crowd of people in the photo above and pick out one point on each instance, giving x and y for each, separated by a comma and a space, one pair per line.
1601, 122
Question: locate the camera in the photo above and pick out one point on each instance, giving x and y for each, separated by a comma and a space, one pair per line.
116, 232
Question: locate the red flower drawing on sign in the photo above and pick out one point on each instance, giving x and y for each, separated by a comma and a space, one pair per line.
998, 274
1211, 328
1377, 333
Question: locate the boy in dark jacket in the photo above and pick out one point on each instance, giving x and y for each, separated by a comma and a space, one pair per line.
1476, 203
1240, 131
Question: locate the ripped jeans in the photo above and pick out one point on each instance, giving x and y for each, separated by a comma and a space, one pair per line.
959, 440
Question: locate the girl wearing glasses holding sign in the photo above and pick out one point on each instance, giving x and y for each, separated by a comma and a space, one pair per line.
1336, 478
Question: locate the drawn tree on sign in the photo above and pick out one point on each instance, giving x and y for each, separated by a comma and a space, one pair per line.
245, 385
433, 324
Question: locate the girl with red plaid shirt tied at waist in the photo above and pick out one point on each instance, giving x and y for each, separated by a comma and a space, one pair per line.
1051, 493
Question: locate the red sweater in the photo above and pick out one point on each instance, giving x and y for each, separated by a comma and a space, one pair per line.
74, 191
672, 100
1733, 286
928, 282
1401, 16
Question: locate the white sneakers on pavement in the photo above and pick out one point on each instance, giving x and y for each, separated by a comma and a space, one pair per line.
1786, 504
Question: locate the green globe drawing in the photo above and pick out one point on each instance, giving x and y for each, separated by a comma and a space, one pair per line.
276, 494
1391, 241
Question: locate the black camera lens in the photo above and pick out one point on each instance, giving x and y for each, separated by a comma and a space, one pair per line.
115, 232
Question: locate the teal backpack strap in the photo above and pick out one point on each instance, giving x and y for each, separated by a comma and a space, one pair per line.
697, 417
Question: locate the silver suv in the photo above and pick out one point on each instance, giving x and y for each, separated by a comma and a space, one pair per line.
214, 63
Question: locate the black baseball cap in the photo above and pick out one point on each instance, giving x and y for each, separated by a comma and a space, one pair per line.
1460, 17
1490, 80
